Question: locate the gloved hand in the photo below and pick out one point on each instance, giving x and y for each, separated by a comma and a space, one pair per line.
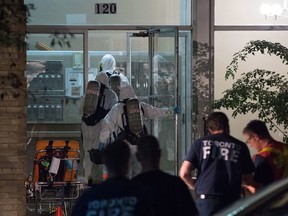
101, 147
175, 110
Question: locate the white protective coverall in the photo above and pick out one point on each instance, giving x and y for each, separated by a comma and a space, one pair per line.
91, 133
113, 121
109, 65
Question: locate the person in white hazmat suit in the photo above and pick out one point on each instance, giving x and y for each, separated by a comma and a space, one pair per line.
109, 65
90, 134
113, 121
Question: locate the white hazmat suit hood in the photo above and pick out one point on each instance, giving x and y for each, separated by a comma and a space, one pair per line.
103, 78
126, 92
108, 63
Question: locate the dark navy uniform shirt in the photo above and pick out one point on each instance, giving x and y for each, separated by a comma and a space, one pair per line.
172, 197
118, 196
221, 161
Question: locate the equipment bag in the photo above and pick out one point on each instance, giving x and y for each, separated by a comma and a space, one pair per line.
67, 151
96, 156
91, 97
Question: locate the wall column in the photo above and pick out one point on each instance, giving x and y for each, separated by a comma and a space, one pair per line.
13, 135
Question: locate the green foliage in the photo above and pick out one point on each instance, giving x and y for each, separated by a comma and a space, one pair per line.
201, 73
12, 12
252, 47
258, 91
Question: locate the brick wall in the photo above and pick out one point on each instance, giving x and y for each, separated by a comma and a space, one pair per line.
12, 115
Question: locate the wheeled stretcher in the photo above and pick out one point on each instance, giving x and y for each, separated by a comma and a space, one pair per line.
55, 176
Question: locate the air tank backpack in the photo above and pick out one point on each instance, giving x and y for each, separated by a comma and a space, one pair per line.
132, 122
94, 101
115, 82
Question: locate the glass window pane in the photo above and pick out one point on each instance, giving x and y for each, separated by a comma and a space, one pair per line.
55, 86
136, 12
247, 12
186, 131
131, 52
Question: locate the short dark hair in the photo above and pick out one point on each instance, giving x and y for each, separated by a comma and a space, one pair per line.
218, 121
117, 156
259, 128
148, 148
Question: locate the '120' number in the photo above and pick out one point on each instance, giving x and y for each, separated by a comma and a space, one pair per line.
106, 8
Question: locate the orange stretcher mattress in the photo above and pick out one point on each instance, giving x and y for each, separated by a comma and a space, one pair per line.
67, 151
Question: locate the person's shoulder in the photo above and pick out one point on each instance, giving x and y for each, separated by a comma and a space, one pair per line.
235, 140
140, 188
91, 191
156, 175
259, 157
278, 144
117, 105
123, 77
150, 177
141, 177
109, 91
201, 139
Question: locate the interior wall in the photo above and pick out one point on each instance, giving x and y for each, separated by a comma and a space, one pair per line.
245, 12
229, 42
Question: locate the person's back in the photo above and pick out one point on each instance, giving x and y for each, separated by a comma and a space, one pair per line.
172, 197
91, 126
114, 119
117, 195
222, 163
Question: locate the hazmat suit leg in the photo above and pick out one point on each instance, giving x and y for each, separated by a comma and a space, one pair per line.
90, 140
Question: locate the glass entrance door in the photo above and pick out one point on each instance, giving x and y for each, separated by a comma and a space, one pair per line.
163, 92
153, 70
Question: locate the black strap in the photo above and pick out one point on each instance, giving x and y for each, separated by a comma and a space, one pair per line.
100, 112
101, 96
142, 109
125, 122
50, 145
67, 147
125, 116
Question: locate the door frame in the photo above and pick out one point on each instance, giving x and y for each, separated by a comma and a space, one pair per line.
84, 30
151, 34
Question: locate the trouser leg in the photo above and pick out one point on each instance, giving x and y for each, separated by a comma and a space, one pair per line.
206, 207
90, 138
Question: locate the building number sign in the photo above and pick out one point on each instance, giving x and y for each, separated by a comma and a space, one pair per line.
106, 8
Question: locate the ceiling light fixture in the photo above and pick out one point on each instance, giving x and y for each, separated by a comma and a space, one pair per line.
274, 10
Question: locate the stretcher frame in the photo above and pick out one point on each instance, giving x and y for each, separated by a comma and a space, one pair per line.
50, 194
